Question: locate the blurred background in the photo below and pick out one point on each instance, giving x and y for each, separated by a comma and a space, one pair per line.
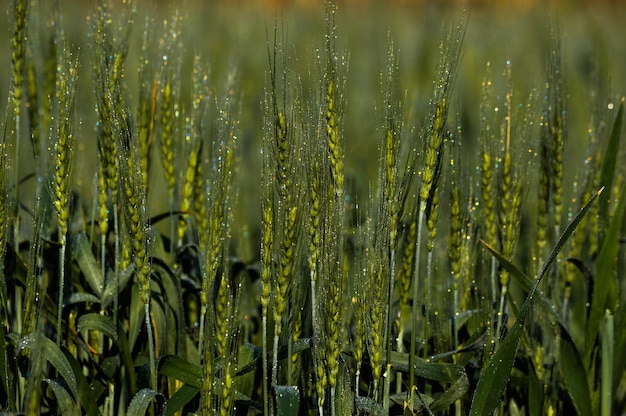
233, 37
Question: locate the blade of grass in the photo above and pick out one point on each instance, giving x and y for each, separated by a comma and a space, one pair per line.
524, 282
607, 342
535, 392
345, 392
97, 322
179, 399
574, 373
441, 372
605, 287
495, 375
114, 285
287, 400
182, 370
619, 360
455, 392
66, 403
140, 402
85, 392
53, 354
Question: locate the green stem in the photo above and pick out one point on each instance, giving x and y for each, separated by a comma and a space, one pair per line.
264, 359
62, 250
415, 310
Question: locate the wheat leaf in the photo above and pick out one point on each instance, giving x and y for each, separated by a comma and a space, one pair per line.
97, 322
66, 403
140, 402
495, 375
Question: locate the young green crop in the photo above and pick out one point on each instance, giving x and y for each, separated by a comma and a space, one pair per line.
272, 263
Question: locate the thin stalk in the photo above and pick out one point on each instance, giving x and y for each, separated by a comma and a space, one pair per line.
265, 375
62, 251
320, 402
116, 272
415, 310
429, 298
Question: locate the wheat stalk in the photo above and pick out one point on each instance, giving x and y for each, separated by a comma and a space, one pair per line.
64, 166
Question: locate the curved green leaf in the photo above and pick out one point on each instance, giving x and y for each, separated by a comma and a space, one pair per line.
179, 399
441, 372
182, 370
81, 252
66, 403
97, 322
53, 354
139, 404
85, 392
453, 393
82, 297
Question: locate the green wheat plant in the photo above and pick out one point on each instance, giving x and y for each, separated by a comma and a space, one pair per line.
216, 217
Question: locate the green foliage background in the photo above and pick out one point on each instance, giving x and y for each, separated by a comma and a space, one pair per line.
273, 103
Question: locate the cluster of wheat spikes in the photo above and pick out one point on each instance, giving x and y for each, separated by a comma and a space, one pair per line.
461, 283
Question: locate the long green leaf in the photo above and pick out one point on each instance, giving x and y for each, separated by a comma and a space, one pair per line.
53, 354
344, 394
137, 315
179, 399
535, 391
109, 291
287, 400
606, 388
495, 375
524, 282
85, 392
605, 286
441, 372
619, 360
139, 404
66, 403
97, 322
182, 370
456, 391
127, 359
81, 252
82, 297
5, 371
574, 373
296, 347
